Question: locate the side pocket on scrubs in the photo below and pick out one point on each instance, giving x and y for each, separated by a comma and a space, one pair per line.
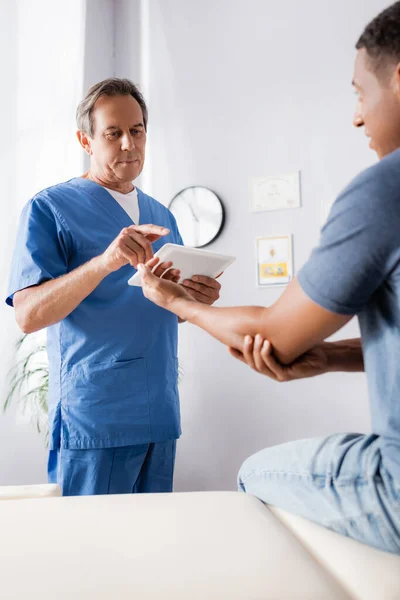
107, 399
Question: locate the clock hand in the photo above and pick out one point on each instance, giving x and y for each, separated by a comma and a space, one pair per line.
193, 213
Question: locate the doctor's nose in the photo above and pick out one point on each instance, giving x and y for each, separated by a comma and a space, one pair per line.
127, 142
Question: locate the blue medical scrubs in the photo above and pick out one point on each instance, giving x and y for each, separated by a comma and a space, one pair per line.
113, 360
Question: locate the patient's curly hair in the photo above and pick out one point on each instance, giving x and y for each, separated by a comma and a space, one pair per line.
381, 39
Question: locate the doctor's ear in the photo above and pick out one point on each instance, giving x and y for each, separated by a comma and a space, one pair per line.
84, 141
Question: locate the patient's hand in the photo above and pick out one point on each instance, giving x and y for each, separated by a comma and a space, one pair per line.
203, 289
157, 288
258, 355
163, 269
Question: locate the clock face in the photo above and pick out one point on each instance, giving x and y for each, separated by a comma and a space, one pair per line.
199, 214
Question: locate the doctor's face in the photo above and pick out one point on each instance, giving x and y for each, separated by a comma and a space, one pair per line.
117, 149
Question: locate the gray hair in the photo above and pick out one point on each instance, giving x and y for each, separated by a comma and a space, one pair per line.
108, 87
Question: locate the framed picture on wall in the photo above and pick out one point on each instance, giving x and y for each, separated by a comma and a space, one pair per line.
274, 260
277, 192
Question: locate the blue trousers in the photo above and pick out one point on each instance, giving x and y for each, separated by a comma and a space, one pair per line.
144, 468
340, 482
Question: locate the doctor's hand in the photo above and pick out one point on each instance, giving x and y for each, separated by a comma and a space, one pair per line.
159, 290
203, 289
132, 246
258, 355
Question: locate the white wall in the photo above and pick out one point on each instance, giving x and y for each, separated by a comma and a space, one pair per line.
236, 91
14, 438
21, 450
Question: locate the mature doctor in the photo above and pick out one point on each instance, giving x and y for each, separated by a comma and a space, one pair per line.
113, 401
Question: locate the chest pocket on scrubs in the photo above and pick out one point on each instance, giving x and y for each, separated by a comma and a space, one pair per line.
82, 254
108, 392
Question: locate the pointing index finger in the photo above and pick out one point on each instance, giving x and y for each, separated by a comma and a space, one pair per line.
150, 229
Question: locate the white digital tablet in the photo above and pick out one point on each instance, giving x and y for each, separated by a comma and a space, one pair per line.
190, 261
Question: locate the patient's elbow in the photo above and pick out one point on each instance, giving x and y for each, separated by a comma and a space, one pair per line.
285, 356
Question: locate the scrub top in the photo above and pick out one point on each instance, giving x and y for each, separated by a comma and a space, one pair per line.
113, 360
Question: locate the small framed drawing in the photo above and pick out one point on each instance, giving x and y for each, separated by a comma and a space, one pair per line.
274, 260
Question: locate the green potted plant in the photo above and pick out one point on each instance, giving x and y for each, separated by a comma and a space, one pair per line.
29, 381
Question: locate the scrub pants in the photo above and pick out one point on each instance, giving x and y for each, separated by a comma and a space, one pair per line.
340, 482
143, 468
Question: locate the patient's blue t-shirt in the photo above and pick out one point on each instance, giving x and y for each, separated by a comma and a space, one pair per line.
355, 270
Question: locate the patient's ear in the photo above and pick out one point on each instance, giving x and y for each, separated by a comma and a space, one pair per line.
395, 81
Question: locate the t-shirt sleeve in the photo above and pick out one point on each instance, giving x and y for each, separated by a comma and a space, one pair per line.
40, 252
358, 248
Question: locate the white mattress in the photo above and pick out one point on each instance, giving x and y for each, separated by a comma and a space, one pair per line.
189, 546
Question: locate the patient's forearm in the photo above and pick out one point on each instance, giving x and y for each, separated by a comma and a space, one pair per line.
285, 331
345, 355
228, 325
